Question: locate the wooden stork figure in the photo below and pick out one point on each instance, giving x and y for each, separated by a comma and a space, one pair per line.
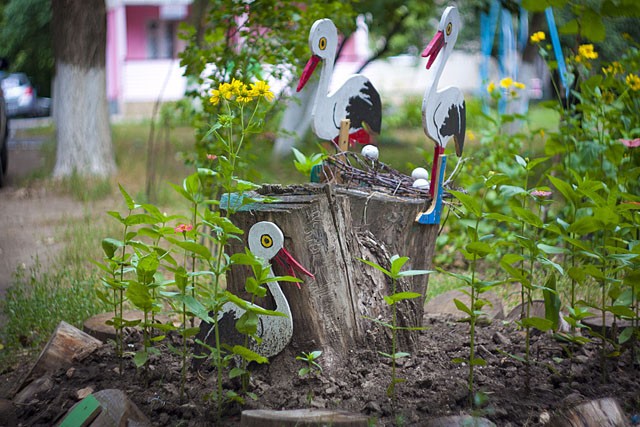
265, 241
443, 111
356, 100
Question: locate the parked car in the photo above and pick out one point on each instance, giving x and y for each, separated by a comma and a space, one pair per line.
4, 138
21, 97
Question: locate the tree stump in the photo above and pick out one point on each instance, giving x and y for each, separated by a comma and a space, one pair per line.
595, 413
66, 346
327, 228
302, 417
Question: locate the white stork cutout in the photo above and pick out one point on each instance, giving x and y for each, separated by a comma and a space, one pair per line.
265, 241
443, 111
356, 100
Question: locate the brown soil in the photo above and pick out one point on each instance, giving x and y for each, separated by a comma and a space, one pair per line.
434, 385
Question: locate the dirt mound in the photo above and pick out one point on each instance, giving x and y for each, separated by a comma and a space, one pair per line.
434, 386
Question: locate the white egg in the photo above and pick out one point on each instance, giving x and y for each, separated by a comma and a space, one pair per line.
421, 184
370, 152
420, 173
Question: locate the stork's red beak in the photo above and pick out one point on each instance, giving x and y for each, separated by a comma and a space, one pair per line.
433, 48
284, 258
308, 71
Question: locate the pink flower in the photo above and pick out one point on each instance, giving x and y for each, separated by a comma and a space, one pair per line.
183, 228
541, 194
631, 143
211, 157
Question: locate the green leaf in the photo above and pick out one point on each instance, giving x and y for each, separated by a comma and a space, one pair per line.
462, 307
585, 226
478, 361
401, 296
592, 26
193, 247
147, 267
376, 266
565, 189
139, 296
248, 355
527, 216
247, 324
131, 205
622, 311
397, 262
137, 219
481, 249
551, 302
409, 273
626, 334
140, 358
539, 323
548, 249
470, 203
110, 246
236, 372
248, 306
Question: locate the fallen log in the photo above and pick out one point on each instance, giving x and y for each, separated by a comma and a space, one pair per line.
595, 413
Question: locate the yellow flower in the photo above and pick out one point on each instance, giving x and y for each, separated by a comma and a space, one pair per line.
519, 85
586, 51
215, 97
633, 81
614, 68
237, 86
261, 88
245, 95
506, 82
491, 87
471, 136
226, 90
538, 37
541, 131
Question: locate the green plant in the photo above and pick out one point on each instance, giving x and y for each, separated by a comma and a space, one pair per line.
395, 273
305, 164
477, 248
312, 369
38, 300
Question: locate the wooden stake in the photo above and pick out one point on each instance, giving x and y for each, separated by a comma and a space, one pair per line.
343, 137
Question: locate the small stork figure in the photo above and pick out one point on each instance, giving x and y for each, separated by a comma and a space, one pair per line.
265, 241
443, 111
356, 100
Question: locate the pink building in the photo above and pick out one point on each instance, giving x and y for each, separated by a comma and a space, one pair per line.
142, 48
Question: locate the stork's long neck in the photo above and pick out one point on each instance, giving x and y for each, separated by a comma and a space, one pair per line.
321, 99
282, 305
434, 77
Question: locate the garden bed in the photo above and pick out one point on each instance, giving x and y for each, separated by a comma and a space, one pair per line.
434, 384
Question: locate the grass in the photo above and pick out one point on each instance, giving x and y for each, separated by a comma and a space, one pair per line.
39, 299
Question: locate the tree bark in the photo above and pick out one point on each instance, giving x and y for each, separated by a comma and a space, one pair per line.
80, 102
327, 228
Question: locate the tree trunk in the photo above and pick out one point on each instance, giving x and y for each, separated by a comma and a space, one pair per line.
327, 228
80, 102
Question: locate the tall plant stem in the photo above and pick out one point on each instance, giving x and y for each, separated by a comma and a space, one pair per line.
472, 328
603, 302
394, 344
216, 329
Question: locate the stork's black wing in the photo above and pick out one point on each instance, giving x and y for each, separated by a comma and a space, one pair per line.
455, 125
365, 107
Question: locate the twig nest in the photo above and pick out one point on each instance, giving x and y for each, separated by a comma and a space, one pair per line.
421, 184
420, 173
370, 152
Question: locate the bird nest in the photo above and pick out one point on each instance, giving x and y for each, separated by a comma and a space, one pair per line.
352, 169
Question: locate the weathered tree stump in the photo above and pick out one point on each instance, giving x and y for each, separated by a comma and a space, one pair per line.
327, 228
97, 326
459, 421
66, 346
595, 413
302, 417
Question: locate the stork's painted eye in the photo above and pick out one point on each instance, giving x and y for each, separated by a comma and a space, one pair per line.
322, 44
449, 28
266, 241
